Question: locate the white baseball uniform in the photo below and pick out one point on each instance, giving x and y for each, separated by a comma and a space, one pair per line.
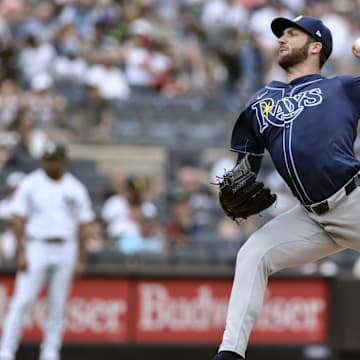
53, 210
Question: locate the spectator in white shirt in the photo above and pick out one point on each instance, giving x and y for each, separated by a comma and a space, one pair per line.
35, 58
148, 239
115, 211
109, 79
138, 58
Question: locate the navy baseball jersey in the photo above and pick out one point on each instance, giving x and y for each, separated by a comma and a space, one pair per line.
309, 127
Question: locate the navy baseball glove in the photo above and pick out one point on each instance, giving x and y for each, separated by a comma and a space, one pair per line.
241, 195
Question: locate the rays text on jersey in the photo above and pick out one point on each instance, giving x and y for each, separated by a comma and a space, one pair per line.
285, 110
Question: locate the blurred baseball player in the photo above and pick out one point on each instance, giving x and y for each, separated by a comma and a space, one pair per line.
308, 125
51, 212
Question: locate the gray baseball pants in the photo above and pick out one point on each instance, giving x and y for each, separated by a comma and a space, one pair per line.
291, 239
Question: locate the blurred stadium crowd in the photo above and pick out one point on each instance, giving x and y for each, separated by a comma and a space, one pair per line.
170, 73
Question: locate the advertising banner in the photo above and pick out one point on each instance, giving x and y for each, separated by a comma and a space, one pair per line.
97, 311
175, 311
193, 311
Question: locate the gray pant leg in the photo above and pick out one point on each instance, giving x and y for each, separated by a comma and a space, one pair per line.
291, 239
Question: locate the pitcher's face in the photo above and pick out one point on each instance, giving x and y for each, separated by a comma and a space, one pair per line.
294, 47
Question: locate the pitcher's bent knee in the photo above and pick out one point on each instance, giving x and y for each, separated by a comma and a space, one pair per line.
253, 253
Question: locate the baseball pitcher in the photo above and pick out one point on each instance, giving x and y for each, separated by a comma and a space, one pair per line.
308, 124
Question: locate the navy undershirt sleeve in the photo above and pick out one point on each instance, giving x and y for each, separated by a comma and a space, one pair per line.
255, 161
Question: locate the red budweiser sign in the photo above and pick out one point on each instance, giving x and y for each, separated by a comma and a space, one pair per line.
294, 312
179, 311
97, 310
195, 311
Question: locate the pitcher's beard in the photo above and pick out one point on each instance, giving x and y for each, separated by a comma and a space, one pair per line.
296, 56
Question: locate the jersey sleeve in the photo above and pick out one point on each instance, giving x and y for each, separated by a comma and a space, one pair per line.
85, 211
20, 202
244, 136
351, 84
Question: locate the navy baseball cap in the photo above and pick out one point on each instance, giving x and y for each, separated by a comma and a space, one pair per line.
311, 25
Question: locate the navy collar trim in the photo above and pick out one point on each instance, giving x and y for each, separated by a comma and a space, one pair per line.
299, 80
